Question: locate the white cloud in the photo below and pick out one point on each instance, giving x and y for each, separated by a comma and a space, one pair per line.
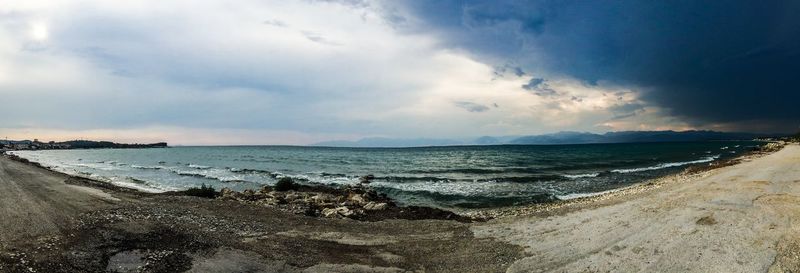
278, 71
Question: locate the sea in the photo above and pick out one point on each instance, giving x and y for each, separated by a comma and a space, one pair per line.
446, 177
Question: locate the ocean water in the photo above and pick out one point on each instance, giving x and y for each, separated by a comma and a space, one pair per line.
448, 177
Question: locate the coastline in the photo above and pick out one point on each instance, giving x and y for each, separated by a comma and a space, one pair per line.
737, 218
477, 212
111, 227
591, 200
617, 195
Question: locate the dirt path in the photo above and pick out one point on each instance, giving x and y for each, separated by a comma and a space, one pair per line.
45, 208
741, 218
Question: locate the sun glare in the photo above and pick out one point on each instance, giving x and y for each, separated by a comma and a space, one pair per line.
39, 31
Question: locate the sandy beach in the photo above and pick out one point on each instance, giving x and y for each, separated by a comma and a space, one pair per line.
739, 218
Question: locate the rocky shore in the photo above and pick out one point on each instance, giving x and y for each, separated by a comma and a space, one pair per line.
357, 202
55, 223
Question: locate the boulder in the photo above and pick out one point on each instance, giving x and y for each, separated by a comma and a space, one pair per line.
229, 194
329, 213
323, 199
249, 195
337, 212
344, 211
366, 179
376, 206
356, 198
290, 197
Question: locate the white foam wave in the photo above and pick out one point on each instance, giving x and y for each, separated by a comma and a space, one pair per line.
666, 165
147, 167
132, 183
199, 167
484, 188
584, 175
582, 195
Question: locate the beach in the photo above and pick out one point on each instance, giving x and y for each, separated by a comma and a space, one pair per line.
58, 223
737, 218
740, 218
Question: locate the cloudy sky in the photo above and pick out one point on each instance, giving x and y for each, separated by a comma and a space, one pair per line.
299, 72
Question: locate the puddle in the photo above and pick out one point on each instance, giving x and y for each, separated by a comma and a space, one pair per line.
126, 261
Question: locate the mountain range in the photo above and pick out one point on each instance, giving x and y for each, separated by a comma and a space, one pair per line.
550, 139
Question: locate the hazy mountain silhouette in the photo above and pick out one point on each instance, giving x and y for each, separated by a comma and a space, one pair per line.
549, 139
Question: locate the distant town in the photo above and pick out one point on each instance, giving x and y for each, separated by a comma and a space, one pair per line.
15, 145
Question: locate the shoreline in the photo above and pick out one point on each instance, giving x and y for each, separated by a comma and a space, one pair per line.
736, 218
616, 195
60, 223
561, 206
358, 202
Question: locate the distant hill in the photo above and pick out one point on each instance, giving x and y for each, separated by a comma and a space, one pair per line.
632, 136
74, 144
391, 142
560, 138
551, 139
87, 144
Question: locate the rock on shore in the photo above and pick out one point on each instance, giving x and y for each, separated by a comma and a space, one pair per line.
357, 202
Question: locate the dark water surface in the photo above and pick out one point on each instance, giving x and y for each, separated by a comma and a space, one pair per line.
462, 176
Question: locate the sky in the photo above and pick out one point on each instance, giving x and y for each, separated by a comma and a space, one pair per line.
299, 72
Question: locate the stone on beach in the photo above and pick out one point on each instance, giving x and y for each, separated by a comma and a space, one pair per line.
337, 212
376, 206
347, 202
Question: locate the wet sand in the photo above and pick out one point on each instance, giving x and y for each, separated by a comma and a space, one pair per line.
739, 218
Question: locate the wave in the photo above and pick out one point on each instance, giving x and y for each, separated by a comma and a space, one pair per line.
461, 170
134, 183
666, 165
147, 167
252, 171
137, 181
505, 179
199, 167
584, 175
582, 195
213, 174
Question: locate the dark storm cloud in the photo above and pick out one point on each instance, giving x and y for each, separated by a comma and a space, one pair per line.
626, 110
539, 87
500, 71
708, 62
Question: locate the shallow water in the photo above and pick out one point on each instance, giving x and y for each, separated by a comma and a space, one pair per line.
462, 176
